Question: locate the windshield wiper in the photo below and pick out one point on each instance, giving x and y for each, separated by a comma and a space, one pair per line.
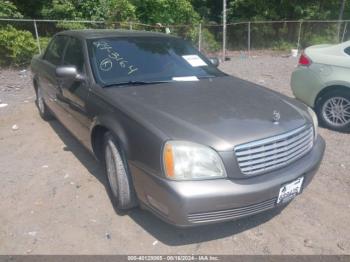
135, 83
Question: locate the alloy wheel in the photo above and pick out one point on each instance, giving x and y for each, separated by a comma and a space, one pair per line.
336, 111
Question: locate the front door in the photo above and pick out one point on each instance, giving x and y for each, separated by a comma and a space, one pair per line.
47, 76
74, 93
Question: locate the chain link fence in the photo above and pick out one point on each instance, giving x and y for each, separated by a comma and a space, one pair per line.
242, 37
249, 37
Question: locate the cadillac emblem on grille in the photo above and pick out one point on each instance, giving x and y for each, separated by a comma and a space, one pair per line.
276, 117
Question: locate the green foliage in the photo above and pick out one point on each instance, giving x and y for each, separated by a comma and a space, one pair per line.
61, 9
9, 10
314, 39
174, 11
208, 41
315, 34
121, 10
278, 36
30, 8
44, 41
16, 47
116, 10
283, 46
166, 12
208, 10
117, 14
283, 9
70, 26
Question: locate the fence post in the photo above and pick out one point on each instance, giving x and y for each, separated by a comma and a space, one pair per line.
224, 32
249, 39
200, 36
344, 31
37, 36
299, 34
338, 30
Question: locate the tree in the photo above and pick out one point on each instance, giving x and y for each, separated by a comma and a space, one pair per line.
166, 12
122, 10
117, 10
9, 10
174, 11
209, 10
61, 9
30, 8
113, 10
282, 9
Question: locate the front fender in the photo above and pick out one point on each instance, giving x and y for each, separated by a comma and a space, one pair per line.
108, 122
141, 147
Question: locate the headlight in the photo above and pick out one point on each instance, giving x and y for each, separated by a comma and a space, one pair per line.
314, 120
190, 161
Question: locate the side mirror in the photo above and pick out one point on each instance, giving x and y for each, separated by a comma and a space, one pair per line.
215, 61
68, 72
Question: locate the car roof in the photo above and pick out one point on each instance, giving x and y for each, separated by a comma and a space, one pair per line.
99, 33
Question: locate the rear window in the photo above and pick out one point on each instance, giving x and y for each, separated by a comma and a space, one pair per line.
347, 50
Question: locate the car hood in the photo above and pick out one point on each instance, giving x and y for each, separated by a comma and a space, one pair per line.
220, 112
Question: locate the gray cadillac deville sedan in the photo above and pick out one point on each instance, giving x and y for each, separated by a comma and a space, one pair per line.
177, 136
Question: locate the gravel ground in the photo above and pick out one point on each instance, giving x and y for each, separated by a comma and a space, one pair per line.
53, 197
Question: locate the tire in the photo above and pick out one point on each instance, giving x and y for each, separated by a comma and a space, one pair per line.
121, 189
333, 110
44, 111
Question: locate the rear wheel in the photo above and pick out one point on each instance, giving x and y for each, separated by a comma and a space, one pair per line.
43, 109
120, 182
333, 110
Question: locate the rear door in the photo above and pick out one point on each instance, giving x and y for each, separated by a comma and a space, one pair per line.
47, 75
74, 93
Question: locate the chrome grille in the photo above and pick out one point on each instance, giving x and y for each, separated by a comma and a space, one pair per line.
229, 214
274, 152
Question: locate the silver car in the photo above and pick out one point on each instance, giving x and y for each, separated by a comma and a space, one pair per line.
322, 81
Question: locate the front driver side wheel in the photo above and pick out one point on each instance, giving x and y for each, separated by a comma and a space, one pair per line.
43, 109
120, 183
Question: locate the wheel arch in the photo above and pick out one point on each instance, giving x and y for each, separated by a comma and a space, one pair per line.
328, 89
35, 83
98, 130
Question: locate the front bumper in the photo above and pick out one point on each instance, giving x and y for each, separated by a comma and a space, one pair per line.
190, 203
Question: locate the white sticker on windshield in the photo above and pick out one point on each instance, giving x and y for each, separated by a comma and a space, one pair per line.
194, 60
185, 78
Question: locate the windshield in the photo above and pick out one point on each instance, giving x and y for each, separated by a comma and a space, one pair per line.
151, 59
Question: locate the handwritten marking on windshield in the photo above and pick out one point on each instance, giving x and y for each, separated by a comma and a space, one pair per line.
107, 64
114, 55
132, 69
102, 45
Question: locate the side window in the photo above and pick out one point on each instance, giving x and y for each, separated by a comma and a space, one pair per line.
55, 50
74, 55
347, 50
